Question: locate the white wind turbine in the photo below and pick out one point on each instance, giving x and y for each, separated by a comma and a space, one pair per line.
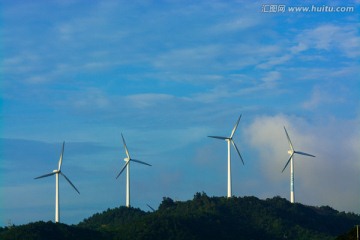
230, 140
56, 172
291, 161
127, 160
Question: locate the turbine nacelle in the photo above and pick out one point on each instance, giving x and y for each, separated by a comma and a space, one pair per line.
290, 152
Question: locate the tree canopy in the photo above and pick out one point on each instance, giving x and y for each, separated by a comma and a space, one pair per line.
203, 217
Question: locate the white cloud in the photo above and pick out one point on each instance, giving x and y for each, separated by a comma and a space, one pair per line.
145, 100
91, 98
298, 48
320, 97
330, 36
274, 61
329, 179
267, 135
271, 78
238, 24
188, 58
213, 95
327, 37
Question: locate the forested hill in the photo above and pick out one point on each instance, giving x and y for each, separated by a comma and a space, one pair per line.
201, 218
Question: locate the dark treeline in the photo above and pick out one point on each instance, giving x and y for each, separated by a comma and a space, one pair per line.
203, 217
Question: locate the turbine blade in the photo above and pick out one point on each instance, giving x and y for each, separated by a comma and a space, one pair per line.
302, 153
288, 162
223, 138
138, 161
233, 143
287, 135
61, 156
126, 149
70, 182
235, 127
122, 169
151, 207
46, 175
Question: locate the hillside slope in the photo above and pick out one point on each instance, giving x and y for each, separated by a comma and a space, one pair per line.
207, 217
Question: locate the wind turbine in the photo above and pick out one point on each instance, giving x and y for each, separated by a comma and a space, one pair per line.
127, 160
292, 152
230, 140
56, 172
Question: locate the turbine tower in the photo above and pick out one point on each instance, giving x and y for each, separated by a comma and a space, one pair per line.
127, 160
56, 172
292, 152
230, 140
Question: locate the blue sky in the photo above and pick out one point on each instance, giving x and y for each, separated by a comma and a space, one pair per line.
167, 74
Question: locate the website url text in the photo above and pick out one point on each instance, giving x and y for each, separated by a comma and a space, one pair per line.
279, 8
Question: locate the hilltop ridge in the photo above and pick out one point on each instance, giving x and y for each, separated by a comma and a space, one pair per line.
203, 217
